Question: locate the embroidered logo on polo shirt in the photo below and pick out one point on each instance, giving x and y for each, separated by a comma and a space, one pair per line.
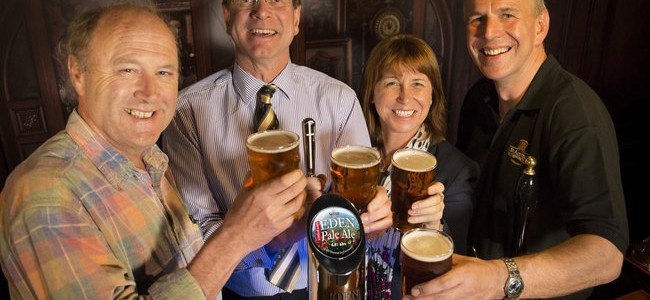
518, 154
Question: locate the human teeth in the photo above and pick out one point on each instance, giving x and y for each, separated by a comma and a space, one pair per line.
404, 113
263, 31
140, 114
496, 51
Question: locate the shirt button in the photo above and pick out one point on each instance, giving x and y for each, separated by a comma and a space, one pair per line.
259, 262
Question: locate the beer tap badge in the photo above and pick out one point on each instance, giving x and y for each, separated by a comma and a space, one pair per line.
518, 154
335, 234
335, 231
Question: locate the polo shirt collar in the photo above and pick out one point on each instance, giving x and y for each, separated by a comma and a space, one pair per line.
531, 99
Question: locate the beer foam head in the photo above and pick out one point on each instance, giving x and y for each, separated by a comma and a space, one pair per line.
413, 160
427, 245
272, 141
355, 157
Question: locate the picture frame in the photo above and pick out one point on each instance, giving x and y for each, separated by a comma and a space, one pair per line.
179, 16
323, 18
332, 57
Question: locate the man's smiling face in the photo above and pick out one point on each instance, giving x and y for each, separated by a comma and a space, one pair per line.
262, 31
503, 35
128, 84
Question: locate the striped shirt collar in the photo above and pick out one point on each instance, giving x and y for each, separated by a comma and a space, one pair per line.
247, 85
114, 166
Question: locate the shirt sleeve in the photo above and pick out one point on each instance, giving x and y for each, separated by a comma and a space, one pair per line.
585, 169
181, 143
58, 253
185, 286
352, 124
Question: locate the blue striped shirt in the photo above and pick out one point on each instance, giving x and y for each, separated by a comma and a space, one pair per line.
206, 146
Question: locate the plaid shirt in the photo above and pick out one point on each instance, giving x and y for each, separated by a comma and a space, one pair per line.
79, 221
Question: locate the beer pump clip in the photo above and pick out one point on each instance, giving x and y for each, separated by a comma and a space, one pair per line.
336, 237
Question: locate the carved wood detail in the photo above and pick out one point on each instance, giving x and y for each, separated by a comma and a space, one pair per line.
30, 121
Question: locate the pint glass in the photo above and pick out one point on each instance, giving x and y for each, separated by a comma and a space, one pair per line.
426, 254
355, 172
271, 154
413, 172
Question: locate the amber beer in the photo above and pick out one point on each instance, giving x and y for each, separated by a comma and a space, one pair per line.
413, 172
271, 154
426, 254
355, 172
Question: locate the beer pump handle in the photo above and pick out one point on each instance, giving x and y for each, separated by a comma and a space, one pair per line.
309, 144
525, 203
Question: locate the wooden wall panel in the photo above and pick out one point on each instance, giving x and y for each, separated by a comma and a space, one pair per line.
445, 32
30, 109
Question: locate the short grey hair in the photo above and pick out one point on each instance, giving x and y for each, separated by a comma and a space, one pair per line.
540, 6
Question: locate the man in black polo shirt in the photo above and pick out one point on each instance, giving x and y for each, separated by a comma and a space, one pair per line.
528, 106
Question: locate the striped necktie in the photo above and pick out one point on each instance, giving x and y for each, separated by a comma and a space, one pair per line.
265, 118
286, 266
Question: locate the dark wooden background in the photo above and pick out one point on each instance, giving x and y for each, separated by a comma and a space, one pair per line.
604, 42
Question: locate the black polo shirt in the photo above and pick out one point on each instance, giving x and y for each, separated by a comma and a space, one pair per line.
563, 123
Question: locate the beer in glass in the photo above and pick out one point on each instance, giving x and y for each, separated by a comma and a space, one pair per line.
355, 172
426, 254
413, 172
271, 154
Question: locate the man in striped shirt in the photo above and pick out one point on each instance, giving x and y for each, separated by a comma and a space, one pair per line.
206, 139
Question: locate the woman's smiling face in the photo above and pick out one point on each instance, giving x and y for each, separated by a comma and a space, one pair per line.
402, 99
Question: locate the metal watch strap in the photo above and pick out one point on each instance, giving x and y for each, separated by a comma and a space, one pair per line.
511, 265
513, 274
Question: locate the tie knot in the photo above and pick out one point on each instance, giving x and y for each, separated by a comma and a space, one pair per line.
265, 118
266, 93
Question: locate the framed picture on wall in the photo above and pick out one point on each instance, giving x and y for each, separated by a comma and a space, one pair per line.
180, 17
332, 57
323, 18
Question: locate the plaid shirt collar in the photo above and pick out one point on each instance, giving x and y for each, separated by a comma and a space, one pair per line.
113, 165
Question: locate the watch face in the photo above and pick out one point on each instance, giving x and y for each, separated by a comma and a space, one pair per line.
515, 287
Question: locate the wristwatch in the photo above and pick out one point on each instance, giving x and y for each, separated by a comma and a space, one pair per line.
514, 284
